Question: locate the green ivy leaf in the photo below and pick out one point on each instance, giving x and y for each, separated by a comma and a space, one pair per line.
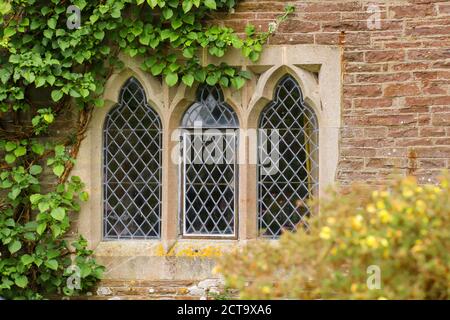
10, 146
188, 79
38, 149
20, 151
189, 52
14, 246
84, 196
200, 75
167, 13
238, 82
59, 150
187, 5
224, 81
171, 79
27, 259
157, 68
99, 35
51, 23
21, 281
34, 198
41, 228
10, 158
152, 3
14, 193
48, 117
211, 4
58, 170
58, 213
213, 79
35, 170
56, 230
57, 95
43, 206
176, 23
52, 264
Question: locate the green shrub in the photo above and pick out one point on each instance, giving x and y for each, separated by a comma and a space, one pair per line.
402, 229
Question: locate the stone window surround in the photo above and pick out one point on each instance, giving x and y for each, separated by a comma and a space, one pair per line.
317, 70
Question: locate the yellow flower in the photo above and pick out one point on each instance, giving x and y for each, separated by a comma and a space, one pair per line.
354, 288
331, 220
385, 217
325, 233
357, 222
371, 208
372, 242
382, 298
381, 205
407, 193
384, 242
417, 248
384, 194
421, 206
265, 290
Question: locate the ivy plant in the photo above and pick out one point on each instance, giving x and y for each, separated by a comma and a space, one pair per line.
66, 50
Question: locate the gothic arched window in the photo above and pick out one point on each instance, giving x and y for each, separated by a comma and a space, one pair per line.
288, 160
132, 144
209, 168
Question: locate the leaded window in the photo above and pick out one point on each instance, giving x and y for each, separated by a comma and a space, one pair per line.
209, 169
288, 144
132, 138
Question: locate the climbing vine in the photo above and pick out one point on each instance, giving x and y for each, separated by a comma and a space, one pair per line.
55, 56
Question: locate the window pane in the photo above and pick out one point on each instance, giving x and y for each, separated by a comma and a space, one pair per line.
283, 192
209, 171
132, 168
209, 184
210, 111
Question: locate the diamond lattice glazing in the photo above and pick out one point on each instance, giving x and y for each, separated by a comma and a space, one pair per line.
209, 167
132, 167
283, 194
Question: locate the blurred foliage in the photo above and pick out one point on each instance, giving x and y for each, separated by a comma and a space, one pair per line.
402, 229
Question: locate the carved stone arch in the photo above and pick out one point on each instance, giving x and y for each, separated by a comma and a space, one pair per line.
152, 87
267, 83
186, 96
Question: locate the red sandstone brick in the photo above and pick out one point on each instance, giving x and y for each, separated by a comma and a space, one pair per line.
414, 11
433, 152
380, 78
384, 55
441, 119
401, 90
363, 90
373, 103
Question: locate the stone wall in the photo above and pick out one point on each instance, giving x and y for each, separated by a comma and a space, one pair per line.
396, 101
